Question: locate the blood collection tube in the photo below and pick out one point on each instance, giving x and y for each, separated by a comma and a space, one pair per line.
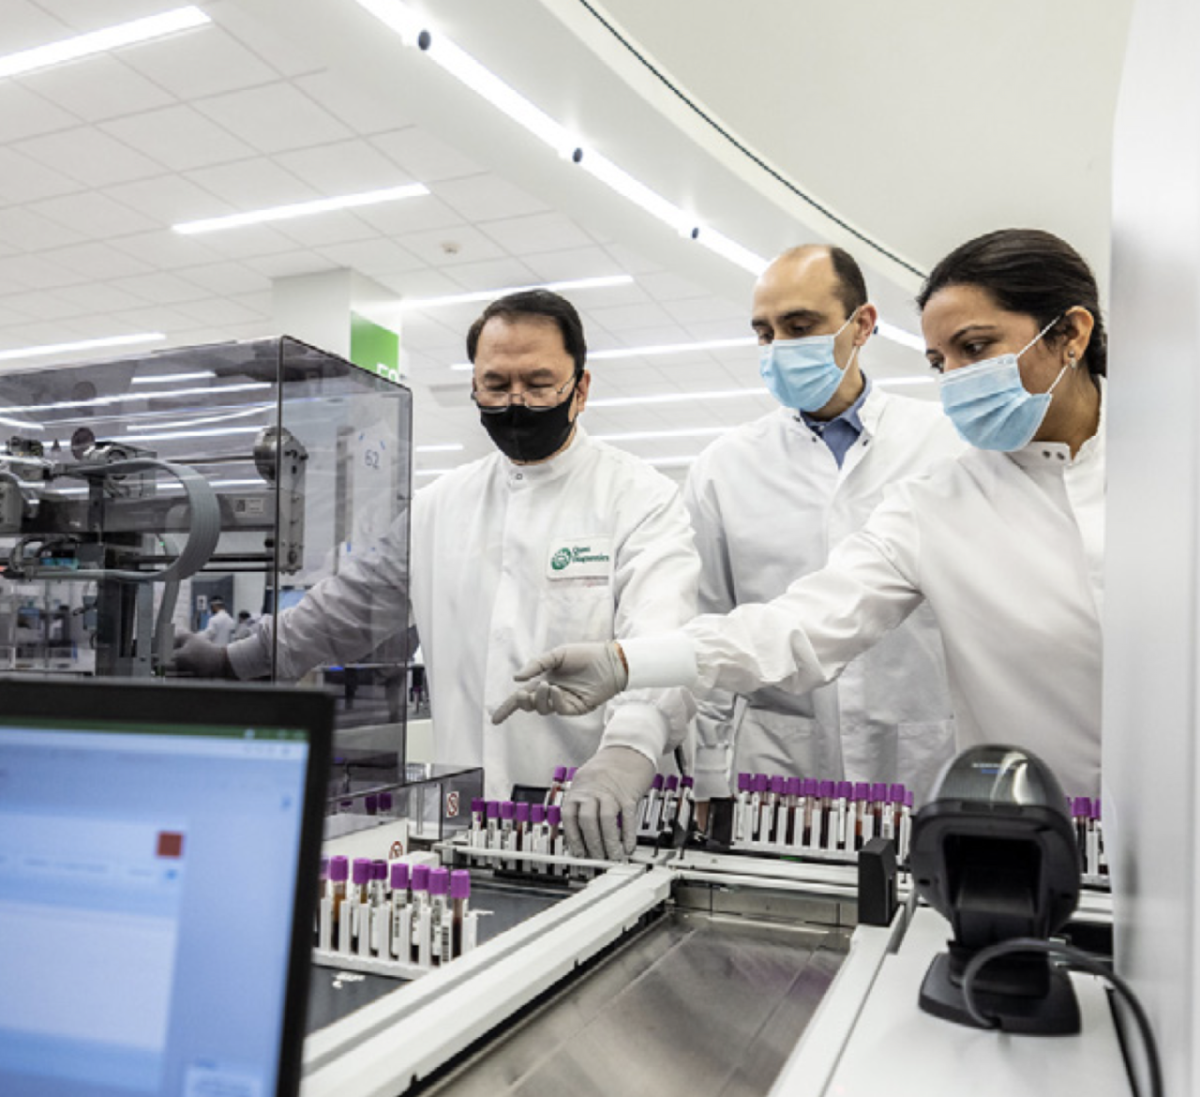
378, 907
371, 802
477, 835
769, 809
539, 838
789, 818
418, 883
842, 814
385, 803
1081, 814
441, 931
554, 792
811, 790
758, 792
1098, 837
493, 827
571, 771
670, 803
460, 895
508, 836
905, 825
687, 803
555, 834
741, 809
891, 817
825, 790
339, 873
648, 815
401, 928
521, 830
862, 793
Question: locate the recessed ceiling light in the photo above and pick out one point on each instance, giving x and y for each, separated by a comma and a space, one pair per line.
441, 447
167, 378
301, 209
573, 284
81, 344
100, 41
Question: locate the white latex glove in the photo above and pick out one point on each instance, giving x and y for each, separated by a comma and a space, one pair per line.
577, 679
607, 788
200, 657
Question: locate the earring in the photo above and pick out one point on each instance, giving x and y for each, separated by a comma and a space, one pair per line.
1071, 359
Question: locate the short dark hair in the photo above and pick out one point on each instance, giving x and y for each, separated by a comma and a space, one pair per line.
1031, 272
852, 286
216, 600
535, 303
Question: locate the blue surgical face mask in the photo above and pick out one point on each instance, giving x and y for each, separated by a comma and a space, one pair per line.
989, 405
802, 373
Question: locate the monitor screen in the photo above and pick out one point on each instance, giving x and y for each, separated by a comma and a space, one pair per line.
157, 859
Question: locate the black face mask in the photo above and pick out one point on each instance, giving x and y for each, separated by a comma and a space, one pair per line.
524, 435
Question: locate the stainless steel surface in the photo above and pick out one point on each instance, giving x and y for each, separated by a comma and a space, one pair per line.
696, 1004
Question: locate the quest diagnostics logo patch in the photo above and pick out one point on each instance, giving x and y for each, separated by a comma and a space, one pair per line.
582, 559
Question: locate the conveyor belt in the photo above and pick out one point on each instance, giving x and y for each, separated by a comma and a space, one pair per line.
696, 1004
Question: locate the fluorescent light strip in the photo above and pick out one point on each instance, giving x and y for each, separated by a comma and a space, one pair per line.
174, 486
573, 284
431, 472
81, 344
649, 435
650, 351
462, 66
301, 209
168, 436
167, 378
674, 398
895, 381
103, 401
100, 41
20, 424
442, 447
670, 462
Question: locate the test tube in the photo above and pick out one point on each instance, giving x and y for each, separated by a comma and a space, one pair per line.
460, 895
1098, 837
476, 837
905, 825
385, 803
418, 883
769, 809
554, 792
825, 790
539, 836
891, 817
521, 827
371, 800
790, 820
493, 827
842, 815
1081, 815
339, 873
812, 812
741, 809
556, 841
441, 931
862, 793
687, 803
401, 929
758, 791
360, 911
648, 815
670, 803
508, 840
379, 907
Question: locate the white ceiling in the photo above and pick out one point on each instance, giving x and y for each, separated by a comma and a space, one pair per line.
918, 125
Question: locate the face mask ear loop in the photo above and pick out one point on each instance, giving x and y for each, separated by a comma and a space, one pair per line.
853, 349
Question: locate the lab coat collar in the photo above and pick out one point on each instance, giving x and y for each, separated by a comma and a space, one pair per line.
559, 465
1058, 454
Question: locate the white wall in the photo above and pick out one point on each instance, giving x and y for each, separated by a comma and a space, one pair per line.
1152, 612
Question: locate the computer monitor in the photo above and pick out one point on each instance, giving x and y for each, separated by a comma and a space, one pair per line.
159, 847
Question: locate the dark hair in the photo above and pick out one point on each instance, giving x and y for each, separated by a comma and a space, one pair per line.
1030, 272
534, 303
852, 287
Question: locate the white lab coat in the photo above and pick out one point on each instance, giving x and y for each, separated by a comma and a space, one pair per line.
1008, 551
768, 502
490, 588
510, 560
220, 628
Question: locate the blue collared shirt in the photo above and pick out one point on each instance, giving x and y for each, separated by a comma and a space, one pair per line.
839, 433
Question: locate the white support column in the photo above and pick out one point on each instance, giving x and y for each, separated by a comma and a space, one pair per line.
1152, 616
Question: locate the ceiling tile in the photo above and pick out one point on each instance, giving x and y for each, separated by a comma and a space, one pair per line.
101, 87
23, 179
97, 297
228, 279
326, 229
411, 215
22, 228
541, 232
583, 262
251, 184
181, 138
488, 198
159, 287
423, 156
220, 311
27, 25
376, 258
34, 272
274, 118
25, 114
91, 157
165, 250
277, 50
91, 214
168, 198
471, 246
363, 113
343, 167
665, 285
43, 306
156, 318
709, 311
288, 263
96, 261
492, 274
244, 242
202, 61
634, 317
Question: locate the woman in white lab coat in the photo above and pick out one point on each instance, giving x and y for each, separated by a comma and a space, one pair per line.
1005, 542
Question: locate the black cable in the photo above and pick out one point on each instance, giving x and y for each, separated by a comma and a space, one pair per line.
1075, 959
749, 153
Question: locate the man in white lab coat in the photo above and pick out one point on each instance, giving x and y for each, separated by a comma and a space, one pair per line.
769, 501
220, 626
554, 536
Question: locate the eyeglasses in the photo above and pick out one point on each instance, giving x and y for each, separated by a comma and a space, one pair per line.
535, 397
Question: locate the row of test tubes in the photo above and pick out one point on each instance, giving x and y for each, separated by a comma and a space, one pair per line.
794, 815
520, 829
1089, 832
669, 801
394, 911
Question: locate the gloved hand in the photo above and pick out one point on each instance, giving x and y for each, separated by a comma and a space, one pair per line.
203, 658
578, 678
607, 788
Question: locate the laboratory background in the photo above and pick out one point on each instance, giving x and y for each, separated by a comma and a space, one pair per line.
261, 476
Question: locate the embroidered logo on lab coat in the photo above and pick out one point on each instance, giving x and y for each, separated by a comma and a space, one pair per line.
583, 559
